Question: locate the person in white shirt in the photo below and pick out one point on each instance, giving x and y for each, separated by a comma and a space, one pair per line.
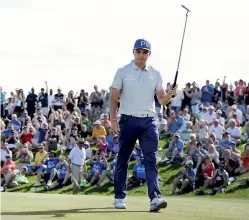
234, 132
50, 98
176, 102
219, 118
4, 152
209, 116
217, 129
202, 131
239, 113
161, 123
185, 115
77, 163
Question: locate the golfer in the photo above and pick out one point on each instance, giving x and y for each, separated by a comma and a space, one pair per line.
136, 84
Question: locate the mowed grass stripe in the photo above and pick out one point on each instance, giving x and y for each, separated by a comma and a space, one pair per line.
46, 206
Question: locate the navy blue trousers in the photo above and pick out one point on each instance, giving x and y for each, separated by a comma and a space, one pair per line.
144, 130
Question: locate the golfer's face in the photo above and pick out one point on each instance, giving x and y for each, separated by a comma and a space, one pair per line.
141, 55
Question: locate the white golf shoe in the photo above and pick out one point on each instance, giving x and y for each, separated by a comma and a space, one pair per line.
157, 204
119, 204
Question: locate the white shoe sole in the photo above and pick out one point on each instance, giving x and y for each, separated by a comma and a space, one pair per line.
156, 208
116, 207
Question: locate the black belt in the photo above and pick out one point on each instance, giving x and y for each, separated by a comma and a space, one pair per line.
77, 165
142, 116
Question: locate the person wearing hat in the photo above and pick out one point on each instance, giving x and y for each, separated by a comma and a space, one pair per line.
136, 84
7, 170
186, 180
219, 117
97, 131
209, 116
50, 164
217, 129
77, 164
175, 150
234, 131
235, 110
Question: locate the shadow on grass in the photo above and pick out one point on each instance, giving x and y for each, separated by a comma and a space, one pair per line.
236, 188
62, 213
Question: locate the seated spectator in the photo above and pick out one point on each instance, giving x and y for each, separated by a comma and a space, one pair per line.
98, 130
53, 138
15, 123
185, 115
202, 131
206, 171
236, 111
212, 152
27, 135
71, 139
20, 177
224, 144
109, 138
102, 144
50, 171
234, 132
232, 158
218, 182
217, 129
105, 122
137, 152
98, 164
194, 120
25, 156
4, 152
138, 174
245, 162
38, 165
186, 130
175, 122
84, 133
9, 131
209, 116
61, 172
174, 153
246, 132
220, 119
109, 173
13, 142
161, 123
185, 180
7, 170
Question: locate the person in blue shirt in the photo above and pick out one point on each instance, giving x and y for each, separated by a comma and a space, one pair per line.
207, 93
50, 171
174, 152
62, 175
9, 131
224, 144
175, 122
15, 123
109, 173
185, 182
138, 174
98, 164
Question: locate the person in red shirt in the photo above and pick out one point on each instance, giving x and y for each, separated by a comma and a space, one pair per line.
7, 170
27, 134
245, 161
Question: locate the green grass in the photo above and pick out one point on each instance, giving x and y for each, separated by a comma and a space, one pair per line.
46, 206
167, 175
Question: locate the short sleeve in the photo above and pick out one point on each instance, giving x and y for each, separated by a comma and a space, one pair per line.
117, 82
159, 84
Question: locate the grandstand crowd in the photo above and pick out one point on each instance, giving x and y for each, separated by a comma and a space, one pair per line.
66, 139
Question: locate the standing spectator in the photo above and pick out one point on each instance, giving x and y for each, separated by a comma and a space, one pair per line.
31, 101
58, 101
77, 163
187, 93
240, 91
207, 93
231, 96
2, 102
196, 99
96, 102
43, 100
19, 102
82, 101
70, 102
217, 94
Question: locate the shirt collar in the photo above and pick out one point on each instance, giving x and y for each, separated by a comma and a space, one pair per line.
135, 67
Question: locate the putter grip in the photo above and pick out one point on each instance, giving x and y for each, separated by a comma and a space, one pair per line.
175, 81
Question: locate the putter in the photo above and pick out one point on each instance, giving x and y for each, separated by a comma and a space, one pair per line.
180, 54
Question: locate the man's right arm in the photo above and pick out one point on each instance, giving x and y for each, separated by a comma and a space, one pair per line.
117, 85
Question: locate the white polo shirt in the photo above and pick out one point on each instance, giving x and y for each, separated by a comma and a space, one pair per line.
77, 156
218, 131
138, 89
209, 118
234, 132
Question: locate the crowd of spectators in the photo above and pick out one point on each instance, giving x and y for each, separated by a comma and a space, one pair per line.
46, 134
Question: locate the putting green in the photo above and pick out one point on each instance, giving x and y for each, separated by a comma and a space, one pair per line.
48, 206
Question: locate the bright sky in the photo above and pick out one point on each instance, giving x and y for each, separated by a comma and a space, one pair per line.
75, 44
